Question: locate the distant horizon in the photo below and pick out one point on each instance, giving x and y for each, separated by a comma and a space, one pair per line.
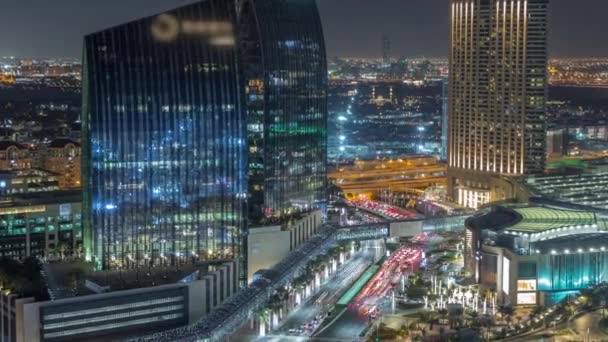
328, 57
38, 28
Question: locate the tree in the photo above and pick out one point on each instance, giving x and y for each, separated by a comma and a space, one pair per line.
506, 312
473, 315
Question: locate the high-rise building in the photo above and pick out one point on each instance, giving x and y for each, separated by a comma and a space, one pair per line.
173, 106
285, 71
386, 49
444, 119
497, 95
164, 139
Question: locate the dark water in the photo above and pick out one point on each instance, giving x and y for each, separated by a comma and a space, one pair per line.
580, 96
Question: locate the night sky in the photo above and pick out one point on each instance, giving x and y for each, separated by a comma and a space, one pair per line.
54, 28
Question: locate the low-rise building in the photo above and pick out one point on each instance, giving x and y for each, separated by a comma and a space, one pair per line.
121, 304
45, 225
18, 182
14, 156
536, 255
62, 156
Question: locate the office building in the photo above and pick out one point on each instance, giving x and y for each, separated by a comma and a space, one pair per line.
42, 225
285, 72
169, 118
27, 181
164, 140
497, 95
444, 120
386, 50
114, 305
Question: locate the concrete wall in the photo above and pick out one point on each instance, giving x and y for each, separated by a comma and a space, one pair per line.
304, 228
266, 246
221, 283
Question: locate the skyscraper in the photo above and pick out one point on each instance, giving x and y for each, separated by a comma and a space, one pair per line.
285, 71
188, 111
444, 119
386, 49
165, 139
497, 95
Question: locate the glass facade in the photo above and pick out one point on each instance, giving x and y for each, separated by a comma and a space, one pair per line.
572, 271
285, 73
164, 155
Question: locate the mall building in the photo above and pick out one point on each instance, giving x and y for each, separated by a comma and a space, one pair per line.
533, 255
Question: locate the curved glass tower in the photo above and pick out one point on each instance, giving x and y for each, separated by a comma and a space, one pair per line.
185, 113
285, 71
165, 139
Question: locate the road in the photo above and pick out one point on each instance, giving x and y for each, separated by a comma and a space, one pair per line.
325, 298
586, 327
347, 327
328, 295
373, 296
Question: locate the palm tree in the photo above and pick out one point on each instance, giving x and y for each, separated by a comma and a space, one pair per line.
455, 316
262, 314
506, 312
473, 315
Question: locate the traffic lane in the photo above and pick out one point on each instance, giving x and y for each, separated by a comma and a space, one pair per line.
327, 296
588, 326
348, 326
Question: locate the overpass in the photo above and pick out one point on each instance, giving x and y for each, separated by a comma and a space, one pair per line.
400, 228
230, 316
411, 176
363, 232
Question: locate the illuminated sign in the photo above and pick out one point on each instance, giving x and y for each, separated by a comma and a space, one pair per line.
526, 298
506, 265
526, 285
166, 28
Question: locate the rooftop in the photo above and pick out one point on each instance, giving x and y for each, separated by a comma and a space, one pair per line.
43, 198
5, 144
63, 142
588, 189
539, 219
62, 275
588, 243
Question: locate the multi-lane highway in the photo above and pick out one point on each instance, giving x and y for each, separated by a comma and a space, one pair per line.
301, 323
373, 297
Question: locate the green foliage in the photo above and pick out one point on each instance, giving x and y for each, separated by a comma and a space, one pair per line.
416, 292
22, 278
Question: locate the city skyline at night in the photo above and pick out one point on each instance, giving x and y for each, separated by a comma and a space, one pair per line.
295, 170
415, 27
